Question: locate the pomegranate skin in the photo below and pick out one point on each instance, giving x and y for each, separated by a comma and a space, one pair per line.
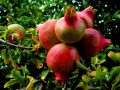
105, 43
60, 59
70, 28
87, 15
90, 44
47, 35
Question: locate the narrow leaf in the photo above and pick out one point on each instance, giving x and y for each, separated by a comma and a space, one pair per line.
44, 74
81, 66
114, 72
10, 83
31, 83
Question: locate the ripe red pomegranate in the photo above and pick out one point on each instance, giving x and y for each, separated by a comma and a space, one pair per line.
60, 59
92, 43
47, 35
70, 28
14, 32
87, 15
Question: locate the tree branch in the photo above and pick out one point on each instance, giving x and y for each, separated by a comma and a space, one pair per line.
11, 44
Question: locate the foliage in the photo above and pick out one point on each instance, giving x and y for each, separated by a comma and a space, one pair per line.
22, 68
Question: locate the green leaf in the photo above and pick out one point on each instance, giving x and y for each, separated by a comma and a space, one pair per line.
44, 74
105, 74
25, 72
17, 75
115, 56
85, 3
31, 83
10, 83
101, 61
2, 28
94, 60
92, 88
81, 84
114, 72
86, 78
117, 14
99, 74
116, 83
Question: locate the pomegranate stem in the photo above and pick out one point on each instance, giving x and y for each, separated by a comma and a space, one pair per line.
81, 66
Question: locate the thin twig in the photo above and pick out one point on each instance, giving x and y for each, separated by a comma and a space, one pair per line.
11, 44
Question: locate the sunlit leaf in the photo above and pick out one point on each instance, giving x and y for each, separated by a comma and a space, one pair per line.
99, 74
81, 84
10, 83
101, 61
86, 78
36, 47
94, 60
44, 74
93, 73
31, 83
35, 39
105, 74
115, 56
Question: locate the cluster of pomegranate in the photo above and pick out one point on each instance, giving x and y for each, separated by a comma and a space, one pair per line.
69, 38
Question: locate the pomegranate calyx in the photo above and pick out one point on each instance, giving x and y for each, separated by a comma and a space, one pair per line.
70, 15
91, 11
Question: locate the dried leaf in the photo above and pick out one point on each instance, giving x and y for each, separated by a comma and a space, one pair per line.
36, 47
38, 63
35, 39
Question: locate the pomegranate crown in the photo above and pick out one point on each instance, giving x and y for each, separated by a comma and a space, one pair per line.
70, 15
70, 12
91, 11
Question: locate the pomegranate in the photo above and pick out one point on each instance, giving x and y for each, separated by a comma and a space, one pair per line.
14, 32
70, 28
47, 35
87, 15
92, 43
60, 59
